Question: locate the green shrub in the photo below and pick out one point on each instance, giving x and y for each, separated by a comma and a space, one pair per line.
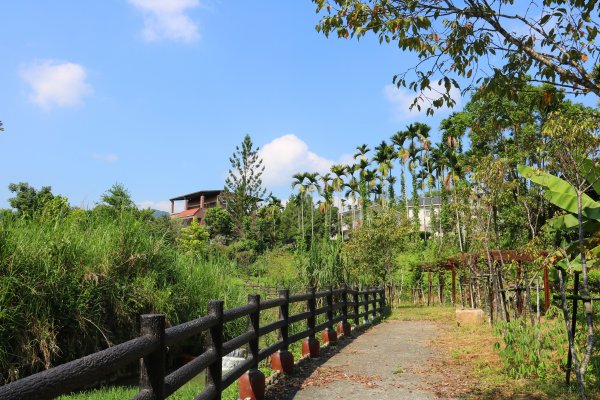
73, 286
536, 351
244, 251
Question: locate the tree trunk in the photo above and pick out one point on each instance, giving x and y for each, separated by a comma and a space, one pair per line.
528, 297
460, 242
312, 219
302, 213
587, 305
575, 359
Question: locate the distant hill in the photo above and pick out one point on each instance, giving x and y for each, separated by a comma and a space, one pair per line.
159, 213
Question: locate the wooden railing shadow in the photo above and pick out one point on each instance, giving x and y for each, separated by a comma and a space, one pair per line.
285, 387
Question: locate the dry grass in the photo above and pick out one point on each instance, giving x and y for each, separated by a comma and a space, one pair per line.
471, 367
421, 313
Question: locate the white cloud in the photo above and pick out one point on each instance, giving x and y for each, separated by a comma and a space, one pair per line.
401, 99
54, 83
162, 205
287, 155
108, 157
167, 19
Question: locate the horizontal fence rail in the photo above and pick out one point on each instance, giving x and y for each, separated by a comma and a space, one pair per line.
151, 347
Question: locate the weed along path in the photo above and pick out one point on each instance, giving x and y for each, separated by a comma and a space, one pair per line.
389, 361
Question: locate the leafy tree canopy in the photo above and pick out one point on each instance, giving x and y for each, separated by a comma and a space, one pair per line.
194, 238
218, 222
371, 249
494, 45
118, 197
28, 201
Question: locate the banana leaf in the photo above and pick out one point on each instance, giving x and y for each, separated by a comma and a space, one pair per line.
591, 171
560, 193
569, 222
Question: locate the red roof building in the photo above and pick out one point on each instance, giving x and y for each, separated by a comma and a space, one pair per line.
195, 205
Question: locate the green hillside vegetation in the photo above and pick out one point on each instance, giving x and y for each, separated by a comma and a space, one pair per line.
76, 281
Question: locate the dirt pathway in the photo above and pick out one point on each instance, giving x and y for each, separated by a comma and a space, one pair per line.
389, 361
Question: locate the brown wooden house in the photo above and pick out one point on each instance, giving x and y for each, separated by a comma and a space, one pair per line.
195, 205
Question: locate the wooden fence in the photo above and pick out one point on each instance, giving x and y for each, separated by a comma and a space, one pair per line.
151, 347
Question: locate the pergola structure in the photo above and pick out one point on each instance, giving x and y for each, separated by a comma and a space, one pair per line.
463, 261
439, 266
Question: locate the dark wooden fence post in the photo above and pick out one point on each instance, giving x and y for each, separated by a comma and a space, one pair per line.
252, 383
428, 288
355, 300
310, 345
153, 366
344, 327
374, 311
214, 372
329, 335
546, 288
254, 326
382, 301
283, 360
366, 301
453, 286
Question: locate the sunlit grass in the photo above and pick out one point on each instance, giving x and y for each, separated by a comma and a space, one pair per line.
188, 391
472, 348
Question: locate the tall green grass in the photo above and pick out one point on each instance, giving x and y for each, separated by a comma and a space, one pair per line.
74, 285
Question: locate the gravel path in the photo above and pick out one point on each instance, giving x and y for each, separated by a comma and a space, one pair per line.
389, 361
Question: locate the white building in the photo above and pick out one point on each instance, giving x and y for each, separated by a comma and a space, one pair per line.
427, 206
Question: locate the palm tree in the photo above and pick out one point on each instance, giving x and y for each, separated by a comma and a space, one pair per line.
391, 182
451, 141
298, 183
361, 167
451, 179
351, 170
340, 172
368, 181
312, 184
414, 160
361, 152
274, 205
417, 132
351, 195
377, 191
363, 164
326, 190
383, 157
423, 178
438, 162
426, 173
402, 154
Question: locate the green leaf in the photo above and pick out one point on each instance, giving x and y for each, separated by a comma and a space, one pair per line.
566, 221
568, 201
591, 172
569, 221
545, 19
560, 193
545, 179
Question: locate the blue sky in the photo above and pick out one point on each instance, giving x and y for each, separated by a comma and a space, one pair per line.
156, 94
